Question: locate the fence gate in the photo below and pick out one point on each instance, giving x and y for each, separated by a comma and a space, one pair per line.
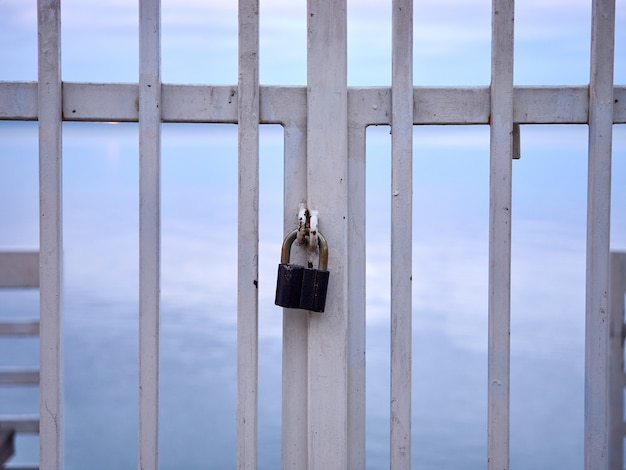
324, 127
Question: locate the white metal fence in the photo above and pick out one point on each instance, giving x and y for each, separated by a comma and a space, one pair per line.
324, 123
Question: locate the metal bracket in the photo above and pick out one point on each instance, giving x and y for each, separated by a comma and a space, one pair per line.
303, 216
517, 149
313, 229
307, 231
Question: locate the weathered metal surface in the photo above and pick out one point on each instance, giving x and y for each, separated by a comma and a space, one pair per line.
149, 229
327, 192
18, 100
100, 102
295, 327
356, 261
598, 234
280, 104
248, 235
49, 104
551, 105
401, 231
500, 198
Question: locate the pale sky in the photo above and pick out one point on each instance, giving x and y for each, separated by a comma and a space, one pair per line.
199, 40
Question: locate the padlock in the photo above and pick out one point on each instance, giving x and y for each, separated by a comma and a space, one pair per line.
289, 283
315, 281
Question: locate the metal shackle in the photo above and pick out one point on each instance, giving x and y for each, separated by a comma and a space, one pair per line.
321, 243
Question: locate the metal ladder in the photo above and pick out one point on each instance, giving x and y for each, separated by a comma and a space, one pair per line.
18, 270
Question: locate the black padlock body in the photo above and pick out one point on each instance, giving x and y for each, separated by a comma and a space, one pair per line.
289, 285
314, 287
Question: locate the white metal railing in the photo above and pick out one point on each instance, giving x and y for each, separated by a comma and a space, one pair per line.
149, 229
325, 122
401, 233
248, 235
48, 106
500, 196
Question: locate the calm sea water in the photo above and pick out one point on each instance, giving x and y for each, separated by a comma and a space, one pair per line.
198, 347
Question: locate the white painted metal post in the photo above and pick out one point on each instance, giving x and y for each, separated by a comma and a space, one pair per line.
598, 232
248, 235
149, 229
617, 377
356, 287
500, 190
295, 322
50, 235
401, 231
327, 192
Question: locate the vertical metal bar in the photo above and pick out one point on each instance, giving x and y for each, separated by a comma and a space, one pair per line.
617, 289
401, 231
327, 192
500, 186
149, 229
356, 287
50, 235
295, 323
248, 235
598, 232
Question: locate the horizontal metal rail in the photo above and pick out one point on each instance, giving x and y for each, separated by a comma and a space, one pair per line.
19, 269
28, 424
15, 376
218, 104
19, 328
18, 466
